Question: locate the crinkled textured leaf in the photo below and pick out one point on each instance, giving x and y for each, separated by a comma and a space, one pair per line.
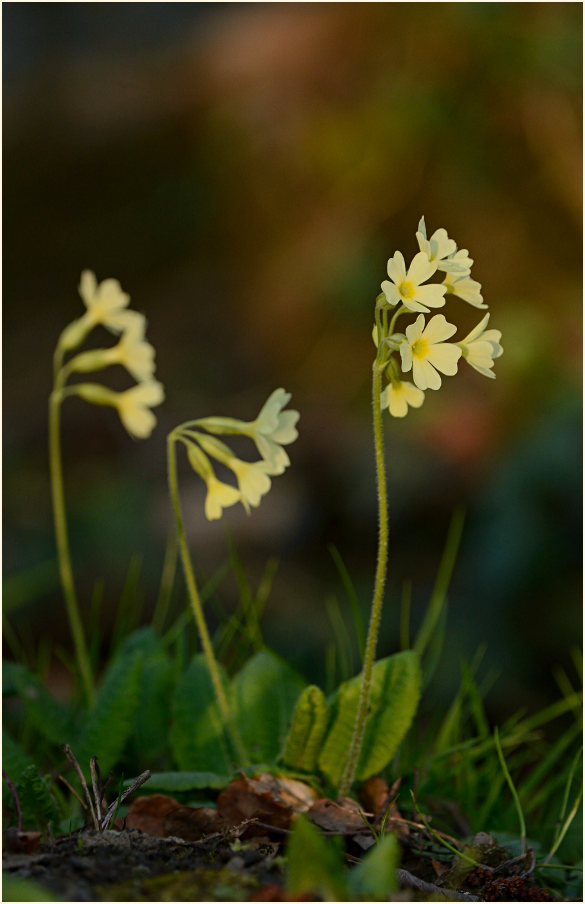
308, 728
154, 707
394, 697
264, 694
110, 724
197, 735
38, 804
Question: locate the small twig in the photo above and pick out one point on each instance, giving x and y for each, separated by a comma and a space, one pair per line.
73, 790
71, 757
407, 879
96, 785
143, 777
16, 800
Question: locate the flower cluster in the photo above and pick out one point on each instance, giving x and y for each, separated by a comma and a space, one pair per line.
423, 348
271, 430
107, 305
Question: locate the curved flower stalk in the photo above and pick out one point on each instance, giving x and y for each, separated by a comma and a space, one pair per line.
271, 430
274, 427
106, 304
424, 352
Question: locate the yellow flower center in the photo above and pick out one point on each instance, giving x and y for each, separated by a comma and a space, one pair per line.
420, 348
406, 289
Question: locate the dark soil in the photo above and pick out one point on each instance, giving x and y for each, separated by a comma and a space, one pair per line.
130, 865
133, 866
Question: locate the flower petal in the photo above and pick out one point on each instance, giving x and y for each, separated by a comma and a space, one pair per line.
444, 357
433, 295
397, 267
476, 331
421, 268
438, 329
391, 293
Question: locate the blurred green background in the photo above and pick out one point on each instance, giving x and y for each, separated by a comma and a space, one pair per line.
246, 170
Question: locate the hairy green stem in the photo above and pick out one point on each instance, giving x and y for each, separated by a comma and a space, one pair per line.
378, 598
65, 567
197, 606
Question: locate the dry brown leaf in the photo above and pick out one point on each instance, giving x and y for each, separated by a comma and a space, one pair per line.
269, 799
342, 816
163, 816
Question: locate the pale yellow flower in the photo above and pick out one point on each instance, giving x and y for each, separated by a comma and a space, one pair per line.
466, 288
271, 430
480, 347
220, 495
252, 477
398, 395
105, 302
133, 405
253, 480
132, 351
425, 351
442, 250
406, 287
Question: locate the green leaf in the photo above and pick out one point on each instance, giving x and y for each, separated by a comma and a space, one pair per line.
48, 716
144, 640
185, 781
110, 724
14, 759
395, 692
374, 877
264, 694
313, 864
197, 735
154, 707
308, 727
38, 805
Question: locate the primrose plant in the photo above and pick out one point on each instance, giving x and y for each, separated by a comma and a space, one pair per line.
106, 305
422, 349
271, 430
355, 733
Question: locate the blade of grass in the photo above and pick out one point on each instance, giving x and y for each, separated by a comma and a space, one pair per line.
358, 621
513, 790
444, 573
536, 778
93, 626
439, 838
342, 640
566, 825
549, 713
186, 616
330, 669
405, 603
130, 604
167, 581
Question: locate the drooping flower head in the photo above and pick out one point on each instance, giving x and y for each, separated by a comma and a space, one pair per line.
272, 429
133, 405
